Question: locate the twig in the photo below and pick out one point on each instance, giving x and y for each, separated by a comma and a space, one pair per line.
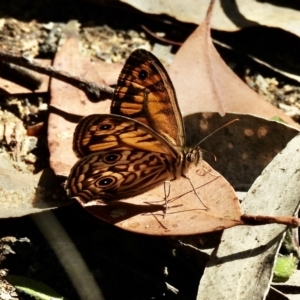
159, 38
91, 89
20, 75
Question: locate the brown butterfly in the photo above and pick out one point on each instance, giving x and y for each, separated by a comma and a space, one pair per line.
137, 147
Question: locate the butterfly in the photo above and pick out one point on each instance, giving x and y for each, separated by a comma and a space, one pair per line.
137, 147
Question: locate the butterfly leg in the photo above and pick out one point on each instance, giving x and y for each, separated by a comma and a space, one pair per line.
195, 191
167, 190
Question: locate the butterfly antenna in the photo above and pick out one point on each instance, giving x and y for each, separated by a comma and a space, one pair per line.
230, 122
203, 150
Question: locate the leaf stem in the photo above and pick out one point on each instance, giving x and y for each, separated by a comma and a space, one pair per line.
262, 220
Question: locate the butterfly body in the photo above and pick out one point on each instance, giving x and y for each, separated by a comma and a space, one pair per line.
137, 147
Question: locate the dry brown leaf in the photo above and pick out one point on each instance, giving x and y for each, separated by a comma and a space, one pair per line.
204, 83
228, 15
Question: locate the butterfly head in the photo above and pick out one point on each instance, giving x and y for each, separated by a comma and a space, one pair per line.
194, 156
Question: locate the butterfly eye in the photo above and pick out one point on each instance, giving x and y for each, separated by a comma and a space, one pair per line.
111, 158
143, 74
104, 127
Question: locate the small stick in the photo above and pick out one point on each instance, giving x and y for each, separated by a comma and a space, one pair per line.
91, 89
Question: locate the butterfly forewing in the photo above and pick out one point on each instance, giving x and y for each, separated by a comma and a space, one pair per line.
118, 174
145, 93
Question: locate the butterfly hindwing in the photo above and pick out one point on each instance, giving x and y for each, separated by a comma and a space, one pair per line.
117, 174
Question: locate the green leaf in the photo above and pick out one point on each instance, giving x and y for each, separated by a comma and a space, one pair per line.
34, 288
